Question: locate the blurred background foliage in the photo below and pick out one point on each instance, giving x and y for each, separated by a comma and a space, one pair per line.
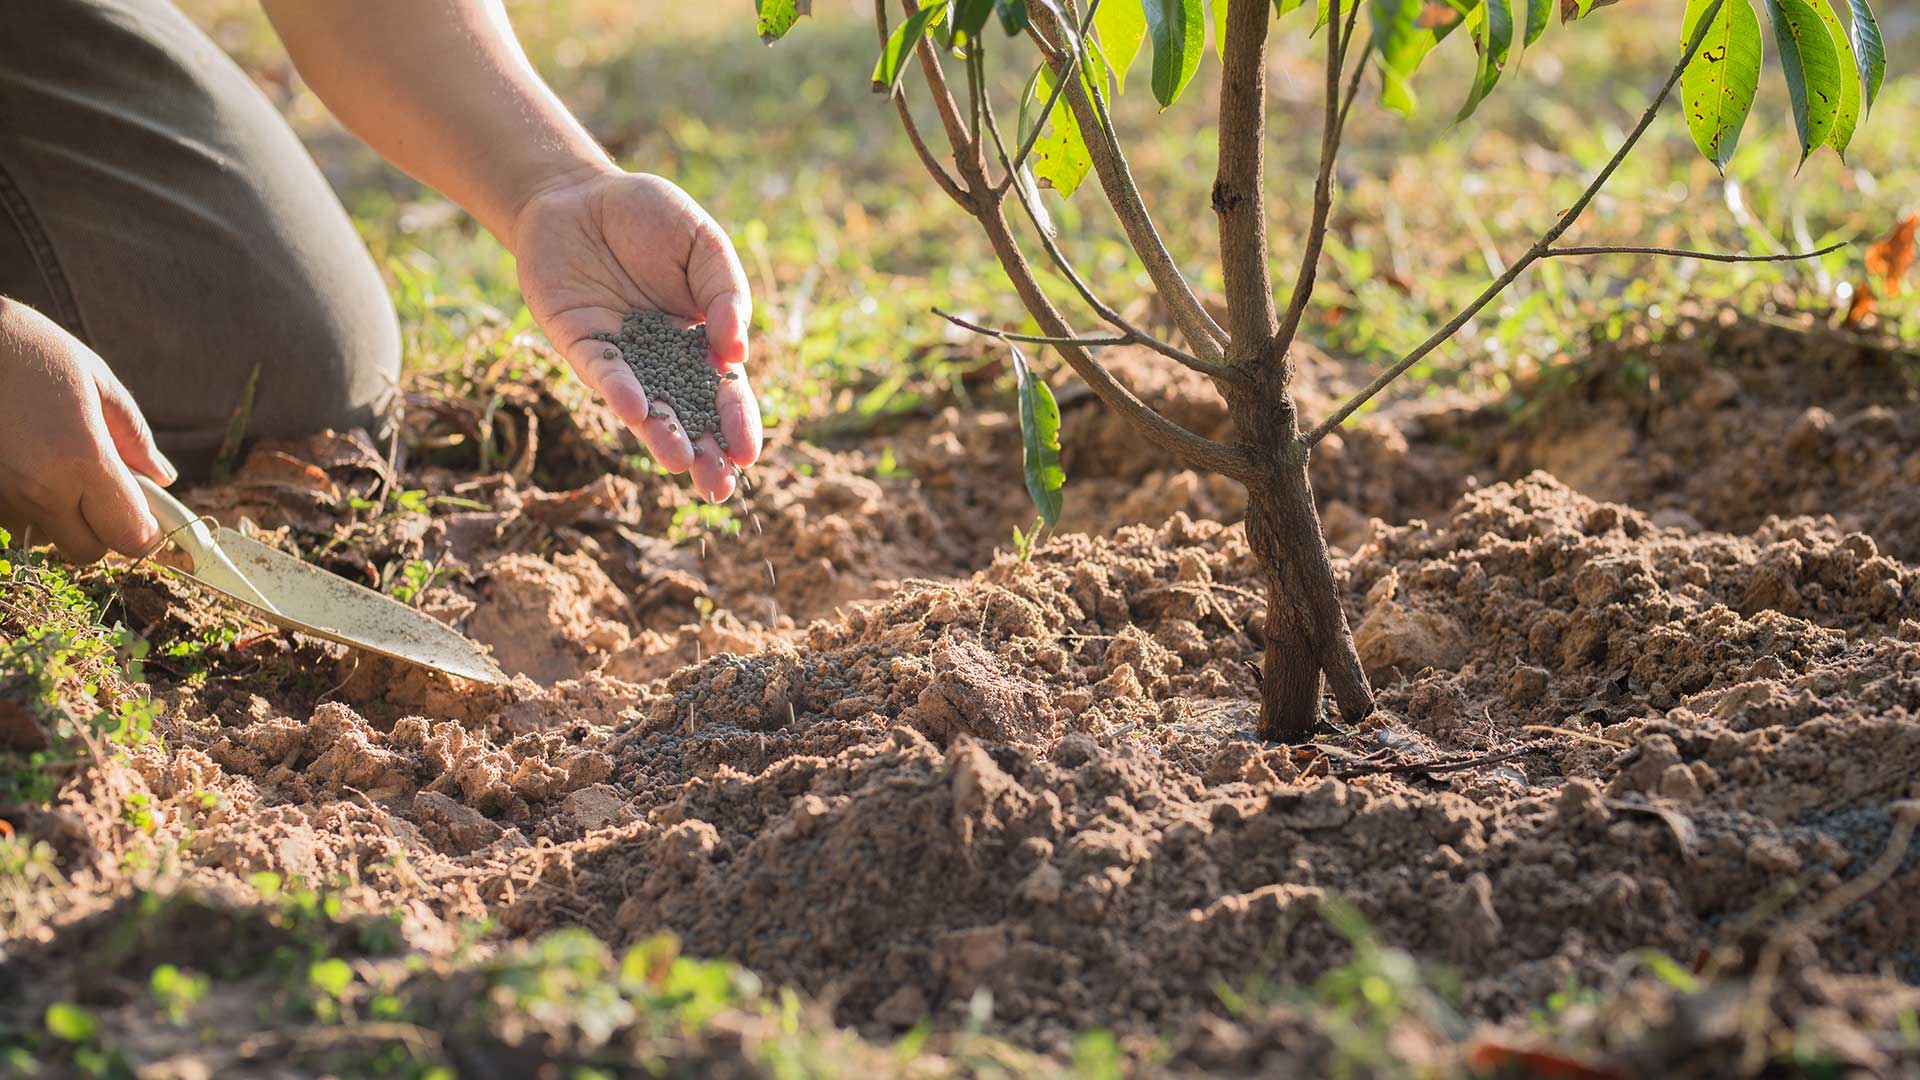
848, 244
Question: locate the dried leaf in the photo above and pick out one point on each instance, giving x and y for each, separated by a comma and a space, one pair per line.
1863, 306
1489, 1055
1888, 259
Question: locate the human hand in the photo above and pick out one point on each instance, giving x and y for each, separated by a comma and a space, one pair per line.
72, 440
603, 242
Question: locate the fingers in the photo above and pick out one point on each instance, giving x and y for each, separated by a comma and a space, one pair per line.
115, 512
600, 366
129, 431
712, 473
67, 529
666, 439
739, 415
727, 328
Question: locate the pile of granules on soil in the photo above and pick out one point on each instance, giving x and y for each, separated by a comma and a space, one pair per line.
671, 364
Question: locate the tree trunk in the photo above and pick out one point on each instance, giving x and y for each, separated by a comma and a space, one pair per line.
1306, 625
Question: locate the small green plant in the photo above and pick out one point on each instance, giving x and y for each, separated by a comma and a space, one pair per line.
701, 518
176, 992
1024, 542
416, 576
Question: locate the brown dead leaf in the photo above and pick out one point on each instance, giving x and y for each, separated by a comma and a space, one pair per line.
1863, 306
1489, 1055
1888, 259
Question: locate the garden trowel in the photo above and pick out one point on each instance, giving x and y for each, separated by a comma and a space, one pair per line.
297, 595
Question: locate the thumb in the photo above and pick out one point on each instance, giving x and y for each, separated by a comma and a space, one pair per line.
132, 437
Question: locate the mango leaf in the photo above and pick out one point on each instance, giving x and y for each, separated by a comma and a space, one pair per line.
1493, 36
1321, 12
1868, 50
900, 46
1179, 37
1060, 158
776, 17
1040, 439
1220, 28
1812, 68
1404, 32
1718, 84
1281, 7
1846, 116
1537, 13
1577, 9
1121, 25
969, 18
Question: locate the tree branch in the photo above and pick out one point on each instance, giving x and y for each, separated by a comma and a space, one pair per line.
1538, 250
1191, 449
1046, 111
1138, 336
1330, 130
1682, 253
1032, 339
1203, 335
939, 173
1239, 185
966, 151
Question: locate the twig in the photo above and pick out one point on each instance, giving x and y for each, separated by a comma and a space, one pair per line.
1431, 768
1330, 133
1105, 311
1539, 248
1194, 450
1203, 335
1682, 253
1032, 339
939, 172
1046, 111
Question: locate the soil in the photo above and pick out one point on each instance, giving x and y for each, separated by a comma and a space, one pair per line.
1647, 655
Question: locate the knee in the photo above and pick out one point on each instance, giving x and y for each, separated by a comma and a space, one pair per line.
332, 358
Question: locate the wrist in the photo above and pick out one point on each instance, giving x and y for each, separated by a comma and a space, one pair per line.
555, 178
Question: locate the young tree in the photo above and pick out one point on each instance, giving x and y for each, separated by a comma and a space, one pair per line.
1832, 72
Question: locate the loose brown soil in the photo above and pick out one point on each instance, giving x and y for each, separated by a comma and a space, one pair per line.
1648, 660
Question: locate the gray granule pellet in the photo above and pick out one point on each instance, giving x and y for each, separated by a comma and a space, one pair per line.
673, 369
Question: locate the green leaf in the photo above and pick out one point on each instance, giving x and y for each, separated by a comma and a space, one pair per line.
70, 1023
969, 17
1718, 84
1846, 116
1868, 50
1220, 28
900, 45
1121, 25
1281, 7
1060, 158
776, 17
1013, 16
1812, 68
1537, 14
1493, 36
1404, 32
331, 976
1040, 437
1178, 40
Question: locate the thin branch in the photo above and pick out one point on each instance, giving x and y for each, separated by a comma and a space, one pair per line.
1353, 88
1105, 311
1682, 253
938, 171
1193, 450
1046, 110
966, 151
1033, 339
1203, 335
1239, 185
1303, 283
1538, 250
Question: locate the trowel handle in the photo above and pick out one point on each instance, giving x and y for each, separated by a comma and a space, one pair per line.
181, 525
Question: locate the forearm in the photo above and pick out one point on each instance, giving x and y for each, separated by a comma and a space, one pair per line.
442, 89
